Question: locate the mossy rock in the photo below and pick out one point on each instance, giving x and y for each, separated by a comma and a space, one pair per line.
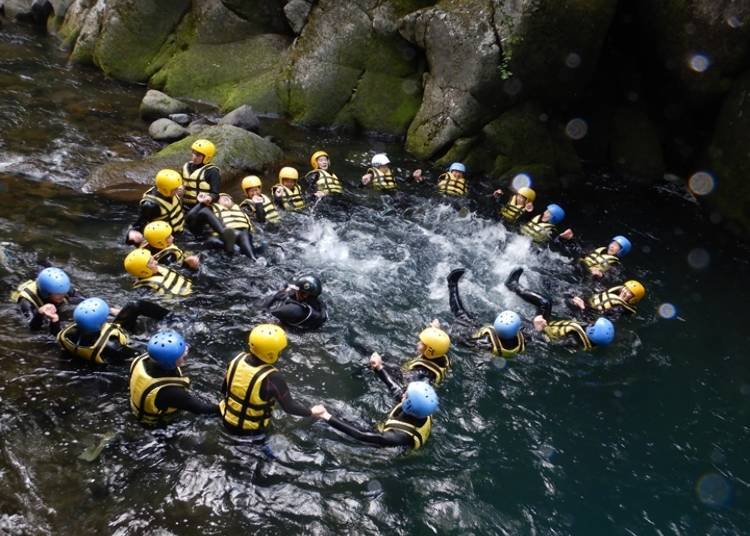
385, 103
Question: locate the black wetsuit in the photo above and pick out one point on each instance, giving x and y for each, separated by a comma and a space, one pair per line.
177, 397
201, 215
308, 314
148, 211
36, 320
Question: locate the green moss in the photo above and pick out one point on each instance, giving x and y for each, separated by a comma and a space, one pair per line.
458, 151
385, 103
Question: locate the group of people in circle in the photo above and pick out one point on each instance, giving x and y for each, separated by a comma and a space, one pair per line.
192, 200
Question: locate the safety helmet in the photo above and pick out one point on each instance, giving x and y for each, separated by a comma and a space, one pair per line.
528, 193
421, 400
625, 245
52, 281
436, 341
507, 324
601, 332
266, 341
380, 159
167, 180
206, 148
136, 263
315, 156
156, 234
556, 213
90, 314
636, 289
166, 347
288, 172
457, 166
309, 284
251, 181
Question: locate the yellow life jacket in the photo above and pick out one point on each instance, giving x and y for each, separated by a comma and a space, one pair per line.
326, 182
27, 291
272, 215
92, 353
599, 258
418, 435
538, 230
510, 212
162, 254
234, 217
167, 281
559, 329
430, 365
242, 407
195, 183
169, 211
497, 344
382, 180
144, 388
291, 198
603, 301
449, 184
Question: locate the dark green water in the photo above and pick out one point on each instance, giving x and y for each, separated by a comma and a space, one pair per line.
648, 437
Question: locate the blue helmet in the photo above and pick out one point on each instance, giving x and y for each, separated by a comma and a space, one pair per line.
556, 213
625, 245
421, 400
507, 324
166, 347
457, 166
90, 314
52, 281
601, 332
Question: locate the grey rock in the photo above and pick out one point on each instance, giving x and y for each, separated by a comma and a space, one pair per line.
157, 104
242, 117
166, 130
296, 12
180, 119
199, 125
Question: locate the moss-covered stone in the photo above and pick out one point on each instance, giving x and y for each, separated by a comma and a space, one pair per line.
636, 149
385, 103
72, 22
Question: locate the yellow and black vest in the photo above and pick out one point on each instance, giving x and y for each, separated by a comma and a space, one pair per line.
162, 254
92, 353
599, 258
382, 180
489, 333
167, 281
27, 291
291, 199
606, 300
144, 388
449, 184
430, 365
242, 407
272, 215
418, 435
195, 183
510, 212
327, 182
538, 230
559, 329
170, 210
234, 218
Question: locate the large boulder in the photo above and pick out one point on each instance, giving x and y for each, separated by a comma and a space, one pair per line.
73, 21
35, 11
166, 130
242, 117
156, 104
267, 15
296, 12
218, 22
237, 152
636, 150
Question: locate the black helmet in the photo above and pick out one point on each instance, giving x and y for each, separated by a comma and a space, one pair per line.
310, 285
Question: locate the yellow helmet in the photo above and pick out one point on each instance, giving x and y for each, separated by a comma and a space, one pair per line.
156, 234
436, 341
315, 156
136, 263
266, 341
251, 181
528, 193
167, 180
288, 173
637, 289
206, 148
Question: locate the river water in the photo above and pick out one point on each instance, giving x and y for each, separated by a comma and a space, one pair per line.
647, 437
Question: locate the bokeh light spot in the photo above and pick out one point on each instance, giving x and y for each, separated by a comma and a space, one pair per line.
667, 311
698, 259
713, 490
576, 128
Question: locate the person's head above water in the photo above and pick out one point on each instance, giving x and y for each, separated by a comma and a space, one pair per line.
507, 324
288, 176
601, 332
433, 343
380, 160
266, 342
168, 348
203, 152
53, 284
554, 214
619, 246
91, 314
308, 286
420, 400
320, 160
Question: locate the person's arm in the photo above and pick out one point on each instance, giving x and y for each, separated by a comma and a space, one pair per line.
114, 352
395, 389
177, 397
291, 313
275, 386
276, 297
260, 211
380, 439
31, 314
213, 178
148, 211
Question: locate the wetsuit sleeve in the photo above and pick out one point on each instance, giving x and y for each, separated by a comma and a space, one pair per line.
114, 352
213, 178
31, 314
177, 397
275, 386
381, 439
311, 183
290, 313
278, 296
128, 315
260, 212
395, 389
148, 212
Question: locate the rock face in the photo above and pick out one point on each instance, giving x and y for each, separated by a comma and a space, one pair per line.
636, 151
166, 130
156, 104
296, 12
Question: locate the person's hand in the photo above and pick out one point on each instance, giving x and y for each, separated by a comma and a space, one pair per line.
366, 178
257, 198
114, 311
50, 311
135, 237
320, 194
204, 198
578, 302
417, 175
529, 207
435, 323
320, 412
539, 323
596, 272
179, 191
192, 262
376, 361
278, 190
567, 234
497, 193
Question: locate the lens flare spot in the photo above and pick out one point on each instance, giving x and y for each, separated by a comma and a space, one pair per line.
699, 63
576, 129
698, 259
701, 183
522, 180
713, 490
667, 311
573, 60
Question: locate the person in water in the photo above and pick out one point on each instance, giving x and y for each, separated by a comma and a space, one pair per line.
606, 259
453, 182
158, 389
238, 229
568, 332
41, 299
408, 424
380, 176
299, 305
320, 181
287, 194
160, 243
252, 385
201, 183
504, 338
162, 202
612, 302
542, 227
258, 205
150, 275
91, 337
522, 201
